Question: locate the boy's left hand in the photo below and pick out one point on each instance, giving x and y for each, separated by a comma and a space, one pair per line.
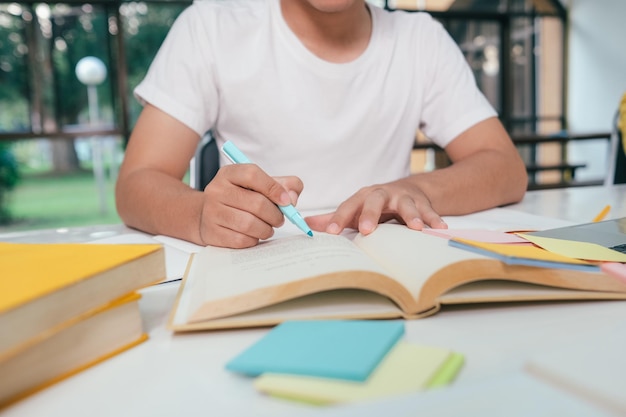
401, 200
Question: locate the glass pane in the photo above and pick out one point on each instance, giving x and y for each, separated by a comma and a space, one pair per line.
537, 75
549, 87
480, 43
477, 6
14, 88
451, 5
45, 197
145, 26
544, 7
82, 88
549, 56
522, 61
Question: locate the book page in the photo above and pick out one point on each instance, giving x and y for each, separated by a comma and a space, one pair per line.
176, 259
219, 273
413, 256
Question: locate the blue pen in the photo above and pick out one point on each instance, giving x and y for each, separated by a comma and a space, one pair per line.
234, 154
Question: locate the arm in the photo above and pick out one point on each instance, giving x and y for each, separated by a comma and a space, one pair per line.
486, 172
236, 209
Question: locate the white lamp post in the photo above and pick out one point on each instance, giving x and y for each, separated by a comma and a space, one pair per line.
92, 72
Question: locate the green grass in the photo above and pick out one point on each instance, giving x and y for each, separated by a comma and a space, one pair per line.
51, 201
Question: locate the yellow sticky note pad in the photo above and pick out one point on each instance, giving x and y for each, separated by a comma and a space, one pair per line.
575, 249
513, 251
407, 368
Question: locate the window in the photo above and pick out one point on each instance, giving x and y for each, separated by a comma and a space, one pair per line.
61, 126
516, 49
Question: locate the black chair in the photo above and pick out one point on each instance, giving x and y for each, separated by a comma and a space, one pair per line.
617, 152
206, 162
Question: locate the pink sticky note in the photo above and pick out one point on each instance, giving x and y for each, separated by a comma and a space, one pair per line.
485, 236
614, 269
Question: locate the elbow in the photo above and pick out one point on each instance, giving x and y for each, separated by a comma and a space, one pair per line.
517, 182
122, 203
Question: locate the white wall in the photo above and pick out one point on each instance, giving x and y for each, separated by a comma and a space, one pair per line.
597, 75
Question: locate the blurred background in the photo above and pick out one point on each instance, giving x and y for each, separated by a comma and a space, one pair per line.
554, 70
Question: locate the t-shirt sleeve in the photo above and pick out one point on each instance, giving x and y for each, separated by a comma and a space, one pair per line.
452, 101
180, 78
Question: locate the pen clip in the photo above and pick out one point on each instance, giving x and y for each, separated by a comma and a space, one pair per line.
234, 154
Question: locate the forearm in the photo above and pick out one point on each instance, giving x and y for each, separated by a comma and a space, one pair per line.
157, 203
487, 179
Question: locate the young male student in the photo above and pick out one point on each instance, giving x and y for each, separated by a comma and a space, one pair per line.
326, 97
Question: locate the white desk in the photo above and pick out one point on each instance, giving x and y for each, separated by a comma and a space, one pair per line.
578, 204
183, 375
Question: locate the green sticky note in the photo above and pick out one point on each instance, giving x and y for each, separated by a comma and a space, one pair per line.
343, 349
407, 368
448, 370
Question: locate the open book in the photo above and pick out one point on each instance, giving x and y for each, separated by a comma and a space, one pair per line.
394, 272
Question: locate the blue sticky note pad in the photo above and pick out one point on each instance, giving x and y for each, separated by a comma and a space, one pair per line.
342, 349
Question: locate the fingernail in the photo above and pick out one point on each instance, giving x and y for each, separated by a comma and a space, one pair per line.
285, 200
366, 226
333, 228
416, 224
440, 223
293, 197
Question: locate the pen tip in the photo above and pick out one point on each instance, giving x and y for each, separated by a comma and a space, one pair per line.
310, 233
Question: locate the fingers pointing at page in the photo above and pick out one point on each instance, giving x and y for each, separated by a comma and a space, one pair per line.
376, 204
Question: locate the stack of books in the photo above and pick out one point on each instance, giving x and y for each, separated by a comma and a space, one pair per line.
66, 307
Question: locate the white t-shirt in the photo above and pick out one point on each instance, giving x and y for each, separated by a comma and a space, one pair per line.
236, 68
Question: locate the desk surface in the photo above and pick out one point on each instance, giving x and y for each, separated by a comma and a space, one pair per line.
184, 374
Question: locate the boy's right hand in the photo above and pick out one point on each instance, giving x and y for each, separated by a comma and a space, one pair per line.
240, 205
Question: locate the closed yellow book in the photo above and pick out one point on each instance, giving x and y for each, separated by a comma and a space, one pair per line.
44, 285
70, 348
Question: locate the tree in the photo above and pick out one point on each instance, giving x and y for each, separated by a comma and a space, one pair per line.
40, 46
8, 178
14, 115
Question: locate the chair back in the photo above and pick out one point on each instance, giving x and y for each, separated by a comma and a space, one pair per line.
205, 163
617, 152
